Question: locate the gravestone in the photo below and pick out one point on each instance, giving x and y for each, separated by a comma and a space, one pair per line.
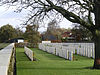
71, 55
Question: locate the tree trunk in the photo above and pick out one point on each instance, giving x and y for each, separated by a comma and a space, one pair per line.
97, 34
97, 51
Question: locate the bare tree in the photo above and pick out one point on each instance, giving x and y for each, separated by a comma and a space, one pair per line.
73, 10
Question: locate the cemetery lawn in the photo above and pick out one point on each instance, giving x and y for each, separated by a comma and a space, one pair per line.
48, 64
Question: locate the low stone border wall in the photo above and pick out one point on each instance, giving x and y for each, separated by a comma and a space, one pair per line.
7, 60
29, 53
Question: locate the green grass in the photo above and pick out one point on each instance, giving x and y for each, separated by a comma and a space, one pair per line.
48, 64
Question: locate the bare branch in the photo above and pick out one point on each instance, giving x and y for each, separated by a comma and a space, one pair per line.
73, 10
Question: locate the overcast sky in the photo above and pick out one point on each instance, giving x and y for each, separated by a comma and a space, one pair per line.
8, 16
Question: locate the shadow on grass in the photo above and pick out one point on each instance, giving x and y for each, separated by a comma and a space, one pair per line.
91, 67
53, 68
21, 56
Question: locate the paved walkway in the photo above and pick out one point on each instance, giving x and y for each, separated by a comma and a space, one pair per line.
5, 56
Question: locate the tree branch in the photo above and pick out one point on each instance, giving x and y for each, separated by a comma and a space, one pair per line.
72, 17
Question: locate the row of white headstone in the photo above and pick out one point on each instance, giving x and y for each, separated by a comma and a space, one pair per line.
83, 49
66, 50
86, 50
57, 50
5, 57
29, 53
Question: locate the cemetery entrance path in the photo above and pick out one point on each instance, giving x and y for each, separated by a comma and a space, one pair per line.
48, 64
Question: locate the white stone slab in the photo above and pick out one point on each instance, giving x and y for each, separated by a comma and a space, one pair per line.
71, 55
29, 53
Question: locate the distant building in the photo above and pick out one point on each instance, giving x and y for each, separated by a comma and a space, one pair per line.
16, 40
46, 41
68, 36
51, 38
20, 40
